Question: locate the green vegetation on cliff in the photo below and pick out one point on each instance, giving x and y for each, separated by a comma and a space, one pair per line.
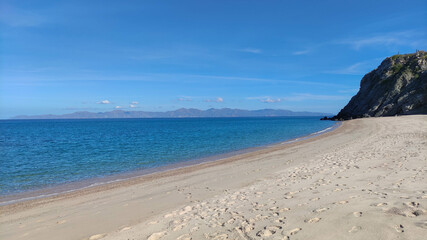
397, 87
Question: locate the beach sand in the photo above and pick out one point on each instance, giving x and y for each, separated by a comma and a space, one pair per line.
364, 180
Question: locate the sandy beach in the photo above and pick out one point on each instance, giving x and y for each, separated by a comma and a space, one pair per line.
364, 180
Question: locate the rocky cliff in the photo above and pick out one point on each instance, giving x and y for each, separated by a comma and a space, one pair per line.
397, 87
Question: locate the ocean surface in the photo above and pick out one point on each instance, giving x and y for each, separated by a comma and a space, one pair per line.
36, 154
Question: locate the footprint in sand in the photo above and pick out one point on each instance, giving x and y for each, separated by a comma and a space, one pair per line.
319, 210
312, 220
185, 210
265, 233
280, 220
231, 221
341, 202
292, 232
61, 222
184, 237
178, 227
169, 215
284, 209
314, 199
399, 228
221, 237
248, 228
412, 204
355, 229
156, 236
379, 204
97, 236
357, 214
125, 229
268, 231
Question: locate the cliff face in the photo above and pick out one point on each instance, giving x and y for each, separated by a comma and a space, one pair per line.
397, 87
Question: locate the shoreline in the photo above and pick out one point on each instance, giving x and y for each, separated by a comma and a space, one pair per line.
365, 180
87, 184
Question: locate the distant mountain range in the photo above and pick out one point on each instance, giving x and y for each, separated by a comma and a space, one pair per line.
180, 113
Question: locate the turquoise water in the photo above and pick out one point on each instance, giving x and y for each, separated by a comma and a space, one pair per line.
35, 154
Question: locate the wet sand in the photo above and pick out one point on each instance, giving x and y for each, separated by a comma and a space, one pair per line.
364, 180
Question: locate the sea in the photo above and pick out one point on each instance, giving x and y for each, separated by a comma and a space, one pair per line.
43, 154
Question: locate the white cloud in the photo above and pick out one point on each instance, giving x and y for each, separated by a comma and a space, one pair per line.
270, 100
132, 106
251, 50
104, 102
218, 100
134, 103
185, 99
265, 99
117, 107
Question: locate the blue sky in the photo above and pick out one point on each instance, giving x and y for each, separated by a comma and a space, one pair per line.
66, 56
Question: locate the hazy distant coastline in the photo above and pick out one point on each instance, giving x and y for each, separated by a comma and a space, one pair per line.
179, 113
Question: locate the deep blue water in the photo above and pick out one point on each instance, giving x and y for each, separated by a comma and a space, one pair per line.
40, 153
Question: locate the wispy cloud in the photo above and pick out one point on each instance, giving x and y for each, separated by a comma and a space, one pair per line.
158, 77
185, 99
118, 107
251, 50
354, 69
104, 102
217, 100
411, 38
134, 103
271, 100
358, 68
303, 52
265, 99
